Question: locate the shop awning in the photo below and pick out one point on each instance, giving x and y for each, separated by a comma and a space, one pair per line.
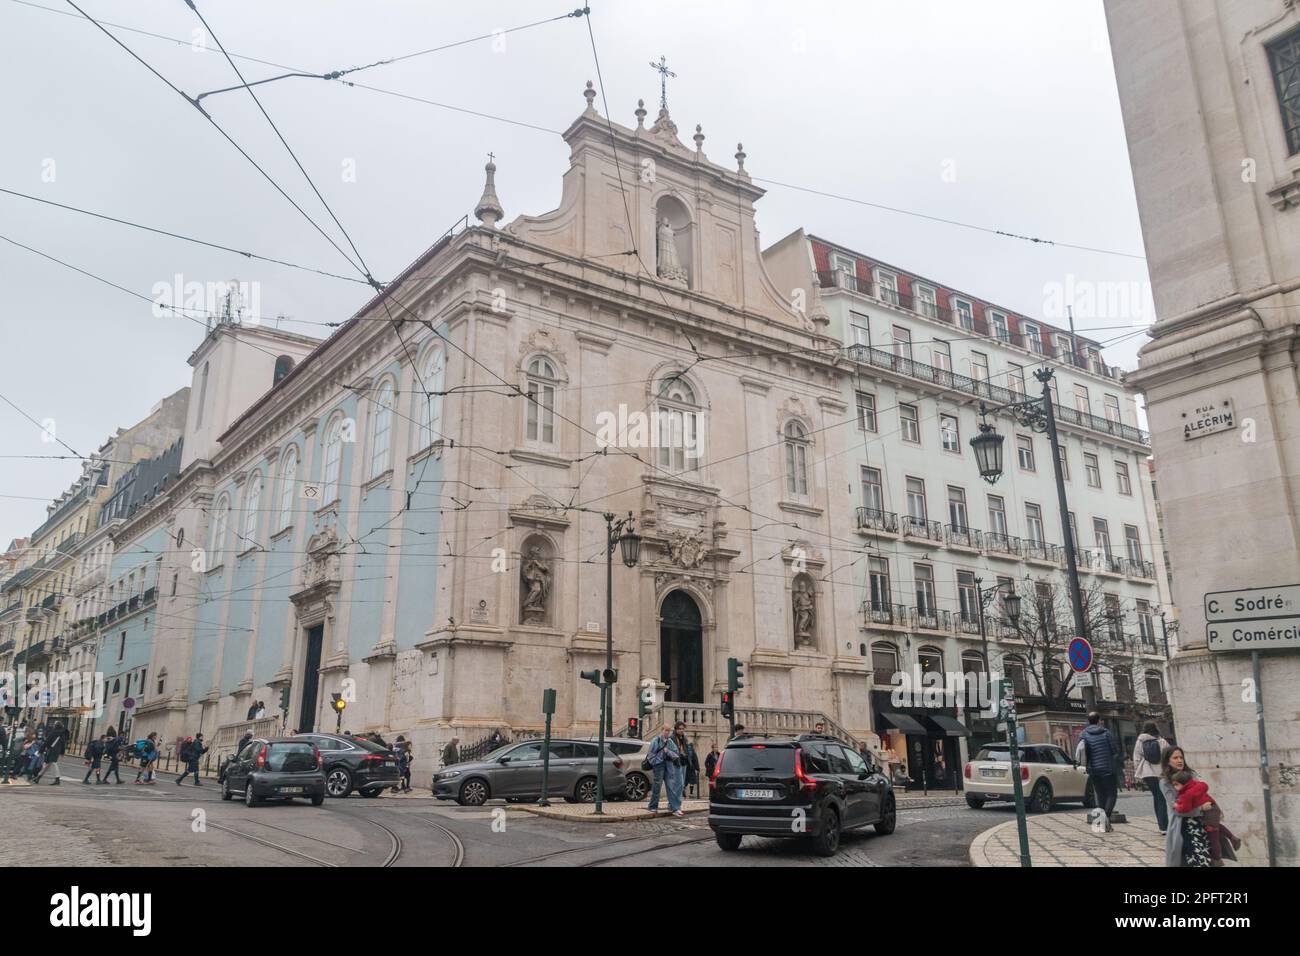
903, 723
951, 726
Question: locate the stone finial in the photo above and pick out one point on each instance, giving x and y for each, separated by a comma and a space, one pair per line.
699, 138
489, 209
740, 157
590, 94
640, 114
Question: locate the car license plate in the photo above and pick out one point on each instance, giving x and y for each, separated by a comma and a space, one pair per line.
291, 789
756, 794
991, 772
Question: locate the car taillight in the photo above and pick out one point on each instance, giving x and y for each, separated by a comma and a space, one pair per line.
966, 772
1024, 773
805, 782
316, 751
717, 769
260, 763
618, 763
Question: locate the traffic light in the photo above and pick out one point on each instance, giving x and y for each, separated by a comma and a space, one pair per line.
634, 728
726, 704
591, 675
338, 703
610, 675
735, 671
284, 699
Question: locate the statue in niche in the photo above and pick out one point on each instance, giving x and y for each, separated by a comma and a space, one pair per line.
669, 267
805, 613
536, 575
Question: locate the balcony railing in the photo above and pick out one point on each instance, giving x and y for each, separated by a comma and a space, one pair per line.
52, 601
1040, 551
871, 519
931, 619
68, 543
882, 613
1001, 543
921, 528
1139, 569
968, 621
964, 537
995, 394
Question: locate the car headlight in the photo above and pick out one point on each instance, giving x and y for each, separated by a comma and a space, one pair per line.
447, 775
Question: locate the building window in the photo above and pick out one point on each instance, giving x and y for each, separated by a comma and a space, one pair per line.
431, 384
796, 459
924, 579
1146, 629
998, 322
1155, 688
288, 475
884, 664
997, 515
964, 313
878, 578
217, 538
333, 461
861, 326
175, 579
1081, 402
910, 423
1111, 409
1065, 461
1132, 543
916, 499
948, 431
1017, 673
1031, 337
926, 302
1092, 470
540, 414
979, 367
957, 508
1034, 524
1016, 379
902, 342
1123, 686
887, 287
873, 493
1284, 60
678, 421
121, 653
1025, 452
845, 271
1114, 621
252, 505
941, 355
931, 661
968, 597
381, 438
1122, 479
866, 411
1101, 534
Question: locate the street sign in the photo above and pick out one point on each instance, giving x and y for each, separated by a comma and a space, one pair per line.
1080, 653
1257, 634
1083, 678
1251, 604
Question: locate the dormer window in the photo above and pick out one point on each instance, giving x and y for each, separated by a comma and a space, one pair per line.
886, 287
964, 313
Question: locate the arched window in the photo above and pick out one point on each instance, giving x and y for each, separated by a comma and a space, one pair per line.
288, 475
432, 383
884, 663
540, 389
382, 432
283, 366
162, 680
931, 661
333, 460
1155, 687
796, 459
217, 538
677, 424
252, 504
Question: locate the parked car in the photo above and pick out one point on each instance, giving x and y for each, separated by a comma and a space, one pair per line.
812, 786
1048, 775
354, 763
275, 768
514, 773
632, 752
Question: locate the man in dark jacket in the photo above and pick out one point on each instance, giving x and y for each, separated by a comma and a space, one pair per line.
196, 750
55, 744
1100, 755
451, 752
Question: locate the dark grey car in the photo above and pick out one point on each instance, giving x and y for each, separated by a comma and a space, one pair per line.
514, 773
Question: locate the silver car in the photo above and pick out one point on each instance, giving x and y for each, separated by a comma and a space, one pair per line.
514, 773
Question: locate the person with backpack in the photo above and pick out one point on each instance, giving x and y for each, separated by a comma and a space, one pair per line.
191, 751
94, 758
55, 746
1100, 754
148, 752
1148, 754
113, 751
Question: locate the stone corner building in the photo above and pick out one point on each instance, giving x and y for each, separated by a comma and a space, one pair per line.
410, 513
1210, 93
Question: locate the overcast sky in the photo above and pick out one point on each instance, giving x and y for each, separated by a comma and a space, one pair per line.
1001, 114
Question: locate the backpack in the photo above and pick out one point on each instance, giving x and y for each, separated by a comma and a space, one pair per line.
187, 749
1151, 752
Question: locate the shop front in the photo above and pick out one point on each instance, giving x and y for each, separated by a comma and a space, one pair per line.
921, 744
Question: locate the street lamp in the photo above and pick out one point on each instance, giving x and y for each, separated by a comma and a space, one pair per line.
1038, 414
619, 535
1011, 605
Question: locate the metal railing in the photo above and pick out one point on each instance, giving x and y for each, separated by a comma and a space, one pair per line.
882, 613
921, 528
931, 618
968, 622
875, 520
1032, 550
1001, 543
964, 537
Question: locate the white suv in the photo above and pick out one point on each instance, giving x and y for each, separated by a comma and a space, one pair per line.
1047, 776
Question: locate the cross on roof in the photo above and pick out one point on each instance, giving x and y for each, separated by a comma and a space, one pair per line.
662, 69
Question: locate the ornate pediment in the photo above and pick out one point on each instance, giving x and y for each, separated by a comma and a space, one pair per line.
687, 549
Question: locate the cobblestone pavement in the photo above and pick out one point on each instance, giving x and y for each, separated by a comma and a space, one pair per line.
1068, 839
33, 838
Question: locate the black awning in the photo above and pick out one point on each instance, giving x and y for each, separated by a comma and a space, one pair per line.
903, 723
951, 726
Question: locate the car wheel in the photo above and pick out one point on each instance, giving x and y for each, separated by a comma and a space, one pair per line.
249, 799
225, 790
473, 793
338, 783
828, 841
888, 817
585, 790
637, 787
317, 799
371, 793
974, 803
729, 841
1040, 800
1089, 797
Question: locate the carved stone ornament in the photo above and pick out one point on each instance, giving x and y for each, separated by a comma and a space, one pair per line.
665, 580
535, 577
322, 558
686, 549
669, 266
805, 612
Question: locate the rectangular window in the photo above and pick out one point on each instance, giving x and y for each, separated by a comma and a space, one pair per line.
1284, 61
1114, 621
1112, 409
1063, 348
845, 271
1101, 534
998, 322
948, 431
902, 342
1065, 462
887, 287
997, 515
873, 492
911, 423
879, 581
926, 302
1121, 478
941, 355
957, 507
968, 597
1016, 378
1074, 531
964, 313
1146, 629
1081, 402
979, 366
916, 498
866, 411
1034, 524
1025, 452
925, 602
1092, 469
1132, 542
861, 331
1031, 338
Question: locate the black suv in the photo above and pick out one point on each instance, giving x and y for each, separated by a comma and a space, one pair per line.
354, 763
812, 786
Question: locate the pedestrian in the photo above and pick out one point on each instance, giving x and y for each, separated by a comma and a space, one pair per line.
113, 751
55, 746
738, 732
261, 711
148, 751
711, 761
666, 761
819, 728
28, 754
243, 741
690, 760
191, 751
1195, 794
94, 758
451, 752
1186, 842
1148, 752
496, 740
1099, 753
252, 711
403, 751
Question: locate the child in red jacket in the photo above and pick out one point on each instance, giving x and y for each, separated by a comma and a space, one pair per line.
1194, 794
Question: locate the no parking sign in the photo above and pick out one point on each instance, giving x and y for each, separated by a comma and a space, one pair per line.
1080, 652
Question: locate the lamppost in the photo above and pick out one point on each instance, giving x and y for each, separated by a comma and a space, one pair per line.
621, 535
1040, 416
1011, 607
1008, 711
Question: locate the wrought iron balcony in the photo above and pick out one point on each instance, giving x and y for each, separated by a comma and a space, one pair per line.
931, 619
1041, 551
1001, 543
964, 537
968, 621
1134, 568
132, 603
882, 613
921, 528
52, 602
149, 596
6, 646
68, 543
871, 519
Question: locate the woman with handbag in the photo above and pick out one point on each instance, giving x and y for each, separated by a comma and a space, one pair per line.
666, 760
